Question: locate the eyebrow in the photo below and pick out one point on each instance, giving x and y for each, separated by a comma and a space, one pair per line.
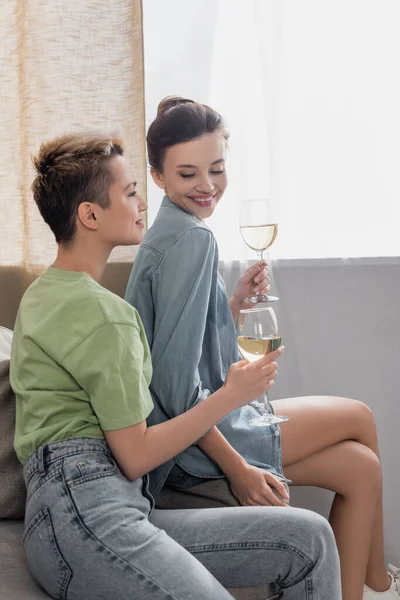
132, 183
216, 162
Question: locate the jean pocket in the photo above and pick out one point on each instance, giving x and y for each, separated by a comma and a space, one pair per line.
44, 557
86, 467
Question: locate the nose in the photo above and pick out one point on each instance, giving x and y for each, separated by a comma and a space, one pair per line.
205, 185
142, 204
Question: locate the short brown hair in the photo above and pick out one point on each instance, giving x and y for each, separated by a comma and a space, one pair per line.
72, 169
180, 120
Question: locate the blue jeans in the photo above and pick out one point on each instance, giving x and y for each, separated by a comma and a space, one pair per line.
90, 533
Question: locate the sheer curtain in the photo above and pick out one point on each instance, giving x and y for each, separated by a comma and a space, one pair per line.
64, 66
310, 94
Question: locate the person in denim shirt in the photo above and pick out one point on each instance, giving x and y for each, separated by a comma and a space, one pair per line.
190, 325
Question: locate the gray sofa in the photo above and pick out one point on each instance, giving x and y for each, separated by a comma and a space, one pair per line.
16, 583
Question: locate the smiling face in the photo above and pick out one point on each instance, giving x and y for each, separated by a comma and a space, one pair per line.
194, 175
121, 222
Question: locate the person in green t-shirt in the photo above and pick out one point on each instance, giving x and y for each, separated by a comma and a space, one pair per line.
81, 369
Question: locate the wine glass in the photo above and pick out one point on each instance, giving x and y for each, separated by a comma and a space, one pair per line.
259, 228
257, 334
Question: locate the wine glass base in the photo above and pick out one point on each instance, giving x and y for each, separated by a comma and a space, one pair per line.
268, 419
262, 298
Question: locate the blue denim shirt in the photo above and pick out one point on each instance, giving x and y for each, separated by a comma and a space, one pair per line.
177, 289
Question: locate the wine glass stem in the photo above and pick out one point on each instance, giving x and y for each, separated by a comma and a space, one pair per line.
266, 403
260, 259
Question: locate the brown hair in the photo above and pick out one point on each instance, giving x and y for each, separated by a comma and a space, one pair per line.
180, 120
72, 169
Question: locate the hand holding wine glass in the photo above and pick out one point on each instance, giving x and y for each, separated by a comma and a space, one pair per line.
259, 228
248, 381
257, 335
254, 280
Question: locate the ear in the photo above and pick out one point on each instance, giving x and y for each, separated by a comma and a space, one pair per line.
157, 178
87, 215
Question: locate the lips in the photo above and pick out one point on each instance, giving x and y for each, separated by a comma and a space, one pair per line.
140, 223
203, 200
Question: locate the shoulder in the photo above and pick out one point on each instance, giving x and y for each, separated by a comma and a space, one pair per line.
196, 241
60, 311
113, 325
173, 225
109, 307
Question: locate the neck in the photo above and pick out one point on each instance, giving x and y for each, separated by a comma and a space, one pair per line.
83, 256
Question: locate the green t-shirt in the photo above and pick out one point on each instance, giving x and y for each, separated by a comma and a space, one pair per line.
80, 362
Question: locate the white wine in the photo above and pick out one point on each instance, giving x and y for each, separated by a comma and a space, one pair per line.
259, 237
252, 347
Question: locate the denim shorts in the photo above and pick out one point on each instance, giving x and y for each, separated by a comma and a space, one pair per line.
180, 477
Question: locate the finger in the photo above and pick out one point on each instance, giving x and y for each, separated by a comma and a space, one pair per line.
271, 498
240, 364
277, 484
263, 280
256, 270
261, 500
262, 276
264, 370
262, 287
253, 269
275, 501
270, 357
250, 274
269, 375
270, 369
249, 502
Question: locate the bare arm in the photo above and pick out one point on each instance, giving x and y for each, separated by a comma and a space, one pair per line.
235, 306
217, 447
139, 449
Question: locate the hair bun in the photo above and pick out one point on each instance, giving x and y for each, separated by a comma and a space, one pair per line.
170, 102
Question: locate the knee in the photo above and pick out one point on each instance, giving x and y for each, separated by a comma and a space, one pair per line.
363, 421
309, 524
363, 467
316, 534
319, 526
363, 412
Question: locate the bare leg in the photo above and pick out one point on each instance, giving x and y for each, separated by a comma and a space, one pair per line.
353, 472
317, 424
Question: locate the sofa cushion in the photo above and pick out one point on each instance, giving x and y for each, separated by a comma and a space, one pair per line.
12, 488
16, 582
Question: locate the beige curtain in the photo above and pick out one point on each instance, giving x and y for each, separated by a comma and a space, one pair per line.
64, 65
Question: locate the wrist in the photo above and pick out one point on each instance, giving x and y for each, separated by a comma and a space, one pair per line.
236, 301
222, 402
238, 304
235, 468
